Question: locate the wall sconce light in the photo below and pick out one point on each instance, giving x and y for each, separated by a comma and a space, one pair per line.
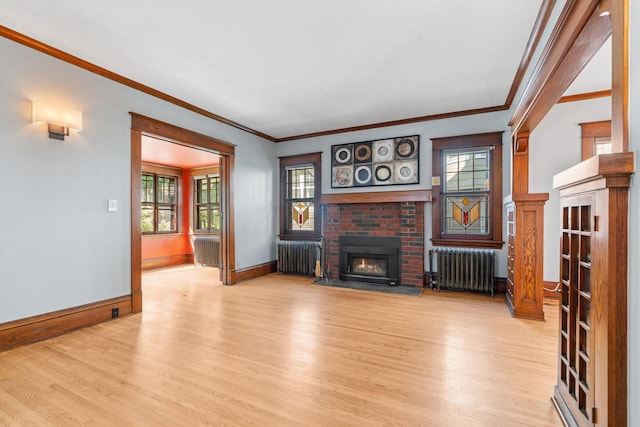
60, 119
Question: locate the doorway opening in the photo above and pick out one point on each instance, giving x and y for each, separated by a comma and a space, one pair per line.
161, 146
181, 205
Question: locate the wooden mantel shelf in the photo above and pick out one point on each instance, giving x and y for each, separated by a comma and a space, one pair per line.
377, 197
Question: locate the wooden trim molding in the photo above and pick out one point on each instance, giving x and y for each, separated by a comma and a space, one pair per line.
539, 26
462, 243
520, 159
167, 261
585, 96
525, 296
534, 39
181, 135
578, 35
377, 197
549, 293
136, 221
86, 65
619, 13
309, 160
254, 271
426, 118
140, 124
228, 232
613, 166
37, 328
591, 133
494, 237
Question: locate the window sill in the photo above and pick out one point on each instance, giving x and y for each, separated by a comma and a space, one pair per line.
161, 236
460, 243
305, 238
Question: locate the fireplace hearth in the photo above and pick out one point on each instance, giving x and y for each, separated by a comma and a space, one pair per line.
370, 259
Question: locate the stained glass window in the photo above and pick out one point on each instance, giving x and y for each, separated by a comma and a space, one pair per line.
467, 190
300, 192
467, 214
300, 197
467, 182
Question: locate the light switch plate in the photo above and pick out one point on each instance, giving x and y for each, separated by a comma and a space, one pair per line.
112, 206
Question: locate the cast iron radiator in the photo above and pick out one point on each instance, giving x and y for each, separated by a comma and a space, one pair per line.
298, 257
464, 269
206, 251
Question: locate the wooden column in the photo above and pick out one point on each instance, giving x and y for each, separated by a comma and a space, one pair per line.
525, 238
520, 178
525, 228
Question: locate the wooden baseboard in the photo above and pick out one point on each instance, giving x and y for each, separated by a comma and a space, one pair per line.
37, 328
549, 294
148, 264
253, 272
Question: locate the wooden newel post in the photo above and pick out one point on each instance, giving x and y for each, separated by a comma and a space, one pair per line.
525, 238
525, 230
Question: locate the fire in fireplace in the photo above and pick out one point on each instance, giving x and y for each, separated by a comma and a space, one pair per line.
370, 259
370, 266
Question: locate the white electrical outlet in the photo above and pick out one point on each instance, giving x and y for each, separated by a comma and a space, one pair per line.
112, 206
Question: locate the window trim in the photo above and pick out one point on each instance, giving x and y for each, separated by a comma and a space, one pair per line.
493, 239
314, 159
166, 172
591, 132
210, 230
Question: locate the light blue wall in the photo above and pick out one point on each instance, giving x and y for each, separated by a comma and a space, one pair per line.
59, 247
490, 122
554, 146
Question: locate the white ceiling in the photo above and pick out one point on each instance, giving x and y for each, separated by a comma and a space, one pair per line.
291, 67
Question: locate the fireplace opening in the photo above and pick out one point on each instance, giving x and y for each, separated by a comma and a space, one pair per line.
370, 259
369, 266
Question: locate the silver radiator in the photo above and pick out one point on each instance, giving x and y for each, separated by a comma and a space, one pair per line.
464, 269
298, 257
206, 251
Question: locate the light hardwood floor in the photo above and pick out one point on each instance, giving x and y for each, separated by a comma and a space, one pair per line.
278, 351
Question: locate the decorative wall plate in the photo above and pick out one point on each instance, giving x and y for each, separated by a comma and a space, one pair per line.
363, 175
362, 152
342, 176
406, 148
383, 173
342, 155
382, 150
407, 172
381, 162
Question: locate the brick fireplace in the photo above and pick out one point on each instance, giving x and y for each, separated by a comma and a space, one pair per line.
368, 217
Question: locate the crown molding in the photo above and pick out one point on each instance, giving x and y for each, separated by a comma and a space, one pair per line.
397, 122
74, 60
534, 38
